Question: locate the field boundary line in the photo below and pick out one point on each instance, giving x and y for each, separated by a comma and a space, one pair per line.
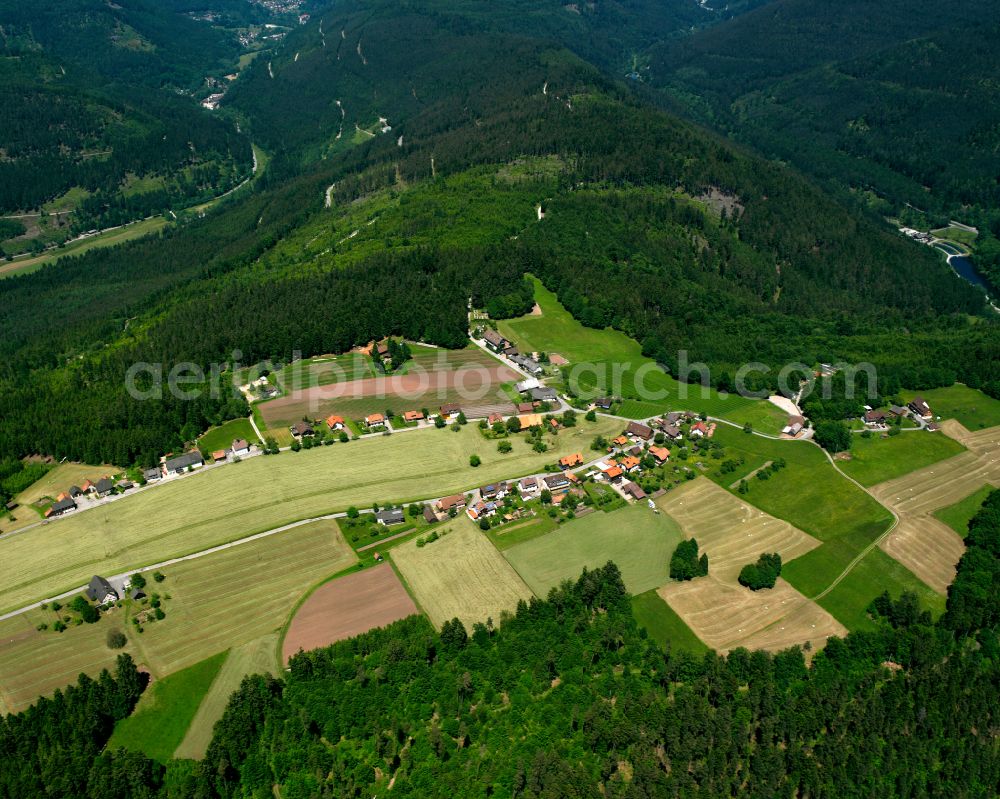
867, 550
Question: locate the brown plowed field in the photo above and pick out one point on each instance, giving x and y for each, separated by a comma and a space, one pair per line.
348, 606
473, 385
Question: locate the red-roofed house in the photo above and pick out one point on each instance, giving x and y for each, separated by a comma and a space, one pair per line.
662, 454
571, 461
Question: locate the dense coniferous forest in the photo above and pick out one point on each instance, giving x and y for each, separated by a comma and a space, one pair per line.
568, 698
94, 94
786, 274
891, 103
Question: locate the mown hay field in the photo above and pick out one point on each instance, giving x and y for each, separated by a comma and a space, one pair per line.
460, 575
217, 602
720, 611
201, 510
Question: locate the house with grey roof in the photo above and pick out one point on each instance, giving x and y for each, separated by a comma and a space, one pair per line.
180, 464
390, 516
101, 591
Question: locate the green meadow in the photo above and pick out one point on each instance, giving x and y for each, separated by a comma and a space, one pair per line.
810, 494
638, 540
967, 405
876, 459
609, 361
161, 719
957, 516
664, 625
222, 437
875, 573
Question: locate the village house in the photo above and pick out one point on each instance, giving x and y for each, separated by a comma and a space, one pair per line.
302, 429
75, 492
875, 418
429, 515
571, 461
220, 455
699, 429
103, 487
180, 464
630, 464
528, 488
527, 386
494, 341
413, 416
530, 420
639, 430
544, 394
556, 482
672, 431
525, 407
620, 441
382, 351
899, 410
494, 418
612, 474
920, 408
456, 501
389, 516
633, 490
101, 591
450, 411
532, 367
152, 474
494, 491
241, 448
124, 485
335, 422
662, 454
794, 426
60, 507
481, 509
375, 419
604, 403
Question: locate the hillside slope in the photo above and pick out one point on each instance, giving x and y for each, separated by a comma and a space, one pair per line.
97, 116
634, 237
894, 100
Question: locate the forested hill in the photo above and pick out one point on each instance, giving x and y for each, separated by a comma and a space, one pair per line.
569, 698
896, 98
392, 59
99, 113
633, 240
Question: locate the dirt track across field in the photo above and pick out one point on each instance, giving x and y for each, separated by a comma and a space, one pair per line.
922, 543
348, 606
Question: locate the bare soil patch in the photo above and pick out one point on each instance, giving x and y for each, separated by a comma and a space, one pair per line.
348, 606
480, 384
